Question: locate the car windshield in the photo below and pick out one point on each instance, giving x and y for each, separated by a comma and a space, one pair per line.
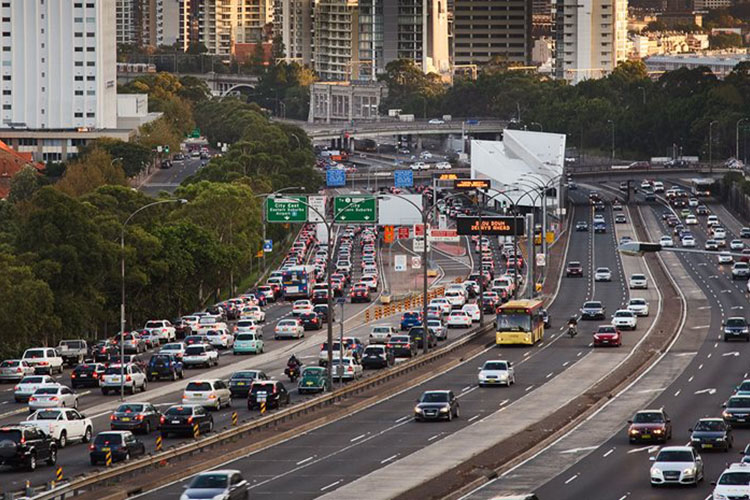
574, 264
512, 322
195, 349
648, 418
495, 365
47, 415
735, 479
198, 386
34, 353
211, 481
288, 322
592, 305
244, 375
735, 322
602, 270
153, 324
638, 277
32, 380
46, 390
637, 302
710, 425
374, 351
107, 438
739, 403
675, 456
311, 372
434, 397
130, 408
624, 314
10, 435
113, 370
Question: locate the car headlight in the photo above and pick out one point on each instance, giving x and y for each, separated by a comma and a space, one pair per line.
695, 440
720, 439
656, 472
633, 431
444, 409
417, 409
658, 431
726, 415
690, 471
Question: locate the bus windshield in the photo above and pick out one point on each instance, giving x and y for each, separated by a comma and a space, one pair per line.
513, 322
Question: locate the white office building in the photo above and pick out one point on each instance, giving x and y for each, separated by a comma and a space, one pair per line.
590, 38
58, 64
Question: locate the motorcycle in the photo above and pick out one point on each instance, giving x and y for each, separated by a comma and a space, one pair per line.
572, 330
292, 371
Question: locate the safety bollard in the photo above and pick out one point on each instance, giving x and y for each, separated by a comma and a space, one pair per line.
108, 459
59, 474
158, 443
235, 419
196, 431
262, 407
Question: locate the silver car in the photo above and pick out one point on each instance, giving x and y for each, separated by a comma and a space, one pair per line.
15, 369
53, 396
676, 465
227, 484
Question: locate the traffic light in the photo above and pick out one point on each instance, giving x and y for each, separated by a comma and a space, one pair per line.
166, 149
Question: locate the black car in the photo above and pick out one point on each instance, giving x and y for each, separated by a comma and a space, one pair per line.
195, 339
87, 375
273, 391
737, 410
121, 444
181, 328
164, 366
180, 419
103, 350
141, 417
320, 297
240, 382
416, 333
377, 356
402, 346
311, 321
736, 328
711, 433
436, 405
322, 311
24, 446
582, 225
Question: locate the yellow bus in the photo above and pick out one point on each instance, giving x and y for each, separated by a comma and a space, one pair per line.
519, 322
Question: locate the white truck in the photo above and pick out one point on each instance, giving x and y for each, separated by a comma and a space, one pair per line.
44, 360
62, 424
73, 352
406, 118
163, 328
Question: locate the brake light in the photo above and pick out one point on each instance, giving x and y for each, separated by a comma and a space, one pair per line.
96, 375
388, 345
53, 398
44, 363
162, 420
32, 398
190, 420
112, 417
139, 417
128, 378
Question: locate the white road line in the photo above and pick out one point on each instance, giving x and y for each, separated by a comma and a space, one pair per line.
392, 457
469, 391
549, 374
566, 363
473, 418
357, 438
504, 402
435, 437
331, 485
466, 388
402, 419
677, 393
528, 388
305, 460
611, 450
572, 478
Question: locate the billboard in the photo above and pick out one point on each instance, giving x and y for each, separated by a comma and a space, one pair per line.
397, 211
491, 226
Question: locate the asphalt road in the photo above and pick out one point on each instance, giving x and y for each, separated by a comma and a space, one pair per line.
332, 456
169, 179
618, 470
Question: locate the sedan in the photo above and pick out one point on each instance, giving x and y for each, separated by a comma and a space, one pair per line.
737, 410
240, 382
689, 242
135, 417
289, 328
311, 321
301, 306
183, 419
725, 258
436, 405
603, 274
666, 241
459, 319
472, 310
122, 445
582, 226
607, 335
15, 369
224, 484
496, 372
638, 281
625, 318
677, 465
638, 306
54, 396
736, 244
712, 434
592, 309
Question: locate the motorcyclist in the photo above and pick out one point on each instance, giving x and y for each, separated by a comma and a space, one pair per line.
573, 326
293, 363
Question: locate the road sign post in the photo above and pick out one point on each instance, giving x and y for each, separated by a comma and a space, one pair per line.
287, 209
355, 209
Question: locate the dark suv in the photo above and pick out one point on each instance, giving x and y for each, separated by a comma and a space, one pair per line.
273, 391
377, 356
180, 419
164, 366
574, 269
87, 375
417, 334
24, 446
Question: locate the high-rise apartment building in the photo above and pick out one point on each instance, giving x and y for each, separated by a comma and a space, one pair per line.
218, 24
590, 38
141, 22
492, 29
417, 30
336, 39
293, 22
58, 64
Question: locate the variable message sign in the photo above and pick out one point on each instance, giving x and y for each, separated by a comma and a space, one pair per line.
491, 226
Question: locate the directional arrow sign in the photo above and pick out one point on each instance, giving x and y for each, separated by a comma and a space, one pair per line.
733, 353
287, 209
710, 391
355, 209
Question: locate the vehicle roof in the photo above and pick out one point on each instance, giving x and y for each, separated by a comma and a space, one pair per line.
677, 448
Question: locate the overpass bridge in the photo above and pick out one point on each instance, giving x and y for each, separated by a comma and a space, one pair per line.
219, 83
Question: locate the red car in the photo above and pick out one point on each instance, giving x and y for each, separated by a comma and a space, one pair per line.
574, 269
607, 335
650, 425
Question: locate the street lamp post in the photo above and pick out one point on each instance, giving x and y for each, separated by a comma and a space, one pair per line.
329, 272
122, 286
544, 186
737, 138
710, 145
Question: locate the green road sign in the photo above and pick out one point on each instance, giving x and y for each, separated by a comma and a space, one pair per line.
287, 209
347, 209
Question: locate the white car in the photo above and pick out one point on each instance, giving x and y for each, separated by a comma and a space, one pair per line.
15, 369
63, 425
191, 321
638, 281
658, 187
603, 274
200, 355
176, 349
44, 360
436, 121
289, 328
419, 165
209, 322
302, 307
719, 233
253, 312
496, 372
370, 280
737, 245
348, 368
691, 220
712, 220
209, 393
458, 319
163, 328
443, 165
247, 325
693, 202
598, 218
220, 339
725, 258
645, 185
425, 155
457, 298
26, 387
666, 241
443, 303
624, 318
638, 306
688, 242
437, 329
53, 396
472, 310
134, 379
370, 270
680, 465
381, 334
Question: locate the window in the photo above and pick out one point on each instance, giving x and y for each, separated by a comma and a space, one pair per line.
79, 78
78, 34
90, 49
91, 78
91, 92
6, 92
90, 115
78, 115
90, 63
79, 92
79, 49
79, 63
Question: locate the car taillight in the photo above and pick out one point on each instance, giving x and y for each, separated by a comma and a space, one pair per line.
32, 398
212, 396
19, 370
128, 378
16, 388
139, 417
162, 420
96, 375
112, 417
44, 363
92, 447
190, 420
53, 398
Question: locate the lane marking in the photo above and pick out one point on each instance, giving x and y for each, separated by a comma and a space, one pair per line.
572, 478
577, 450
402, 419
611, 450
331, 485
473, 418
392, 457
305, 460
528, 388
733, 353
357, 438
435, 437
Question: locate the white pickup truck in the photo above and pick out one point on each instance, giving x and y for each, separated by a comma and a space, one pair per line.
62, 424
163, 328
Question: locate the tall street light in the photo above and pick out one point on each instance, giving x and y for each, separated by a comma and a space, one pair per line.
122, 290
329, 269
737, 138
545, 187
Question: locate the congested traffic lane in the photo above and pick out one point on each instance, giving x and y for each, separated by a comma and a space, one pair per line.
330, 457
622, 469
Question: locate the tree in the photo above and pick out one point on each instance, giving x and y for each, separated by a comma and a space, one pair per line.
133, 156
158, 133
725, 40
88, 173
194, 89
24, 184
